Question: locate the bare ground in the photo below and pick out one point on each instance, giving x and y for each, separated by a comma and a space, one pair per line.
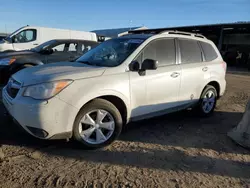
178, 150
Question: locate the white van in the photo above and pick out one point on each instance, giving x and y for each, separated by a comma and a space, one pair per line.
29, 37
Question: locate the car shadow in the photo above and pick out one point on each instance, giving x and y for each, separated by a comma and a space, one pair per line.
188, 130
182, 129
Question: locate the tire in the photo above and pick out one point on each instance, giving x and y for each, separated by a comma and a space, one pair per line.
91, 110
201, 108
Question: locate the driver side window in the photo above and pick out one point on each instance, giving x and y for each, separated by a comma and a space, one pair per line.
24, 36
59, 48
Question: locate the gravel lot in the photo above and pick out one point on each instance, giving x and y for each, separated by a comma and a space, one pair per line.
178, 150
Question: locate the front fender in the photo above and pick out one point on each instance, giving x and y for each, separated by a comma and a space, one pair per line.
20, 62
86, 98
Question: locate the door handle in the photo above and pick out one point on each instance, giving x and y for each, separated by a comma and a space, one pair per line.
35, 44
175, 74
204, 69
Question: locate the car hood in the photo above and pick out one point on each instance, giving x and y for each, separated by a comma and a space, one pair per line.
57, 71
15, 54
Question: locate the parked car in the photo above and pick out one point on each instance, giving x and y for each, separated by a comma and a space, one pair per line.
125, 79
48, 52
2, 37
29, 36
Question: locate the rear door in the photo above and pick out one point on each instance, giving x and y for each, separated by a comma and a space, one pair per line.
194, 71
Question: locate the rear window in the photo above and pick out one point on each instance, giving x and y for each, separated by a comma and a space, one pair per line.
190, 51
209, 52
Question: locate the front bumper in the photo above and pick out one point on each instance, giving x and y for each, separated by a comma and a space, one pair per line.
52, 117
4, 74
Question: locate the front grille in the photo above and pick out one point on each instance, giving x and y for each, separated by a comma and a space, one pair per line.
13, 88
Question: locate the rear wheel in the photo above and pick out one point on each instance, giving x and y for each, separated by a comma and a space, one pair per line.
98, 124
207, 101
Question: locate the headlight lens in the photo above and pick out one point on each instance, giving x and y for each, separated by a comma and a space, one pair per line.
7, 61
46, 90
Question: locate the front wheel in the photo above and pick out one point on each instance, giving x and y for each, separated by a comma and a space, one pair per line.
207, 101
98, 124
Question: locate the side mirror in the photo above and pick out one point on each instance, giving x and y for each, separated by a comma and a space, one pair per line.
47, 51
134, 66
149, 64
13, 39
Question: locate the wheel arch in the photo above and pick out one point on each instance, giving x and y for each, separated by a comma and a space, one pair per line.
215, 84
120, 102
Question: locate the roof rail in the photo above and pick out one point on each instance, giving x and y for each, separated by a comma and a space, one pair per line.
165, 31
182, 33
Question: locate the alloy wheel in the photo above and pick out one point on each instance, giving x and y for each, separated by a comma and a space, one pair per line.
96, 126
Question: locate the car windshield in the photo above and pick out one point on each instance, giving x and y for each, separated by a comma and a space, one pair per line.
43, 46
111, 53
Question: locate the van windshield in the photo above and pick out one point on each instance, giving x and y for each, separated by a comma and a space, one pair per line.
8, 38
111, 53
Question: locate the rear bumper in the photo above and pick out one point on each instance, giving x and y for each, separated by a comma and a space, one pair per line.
223, 85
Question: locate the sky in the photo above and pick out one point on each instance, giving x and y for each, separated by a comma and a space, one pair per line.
87, 15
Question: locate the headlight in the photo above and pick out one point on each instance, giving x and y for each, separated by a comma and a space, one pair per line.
46, 90
7, 61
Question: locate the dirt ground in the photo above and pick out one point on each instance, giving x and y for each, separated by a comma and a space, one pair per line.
178, 150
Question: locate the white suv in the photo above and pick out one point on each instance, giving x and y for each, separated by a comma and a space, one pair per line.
129, 78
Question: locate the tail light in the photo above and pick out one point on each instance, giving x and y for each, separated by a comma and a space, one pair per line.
224, 65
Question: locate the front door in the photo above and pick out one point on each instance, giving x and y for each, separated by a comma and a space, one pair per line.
25, 39
156, 92
64, 51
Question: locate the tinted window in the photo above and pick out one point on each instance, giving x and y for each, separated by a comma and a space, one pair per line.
25, 36
161, 50
190, 51
209, 51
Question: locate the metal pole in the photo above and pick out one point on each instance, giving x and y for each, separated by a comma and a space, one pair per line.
221, 39
6, 29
